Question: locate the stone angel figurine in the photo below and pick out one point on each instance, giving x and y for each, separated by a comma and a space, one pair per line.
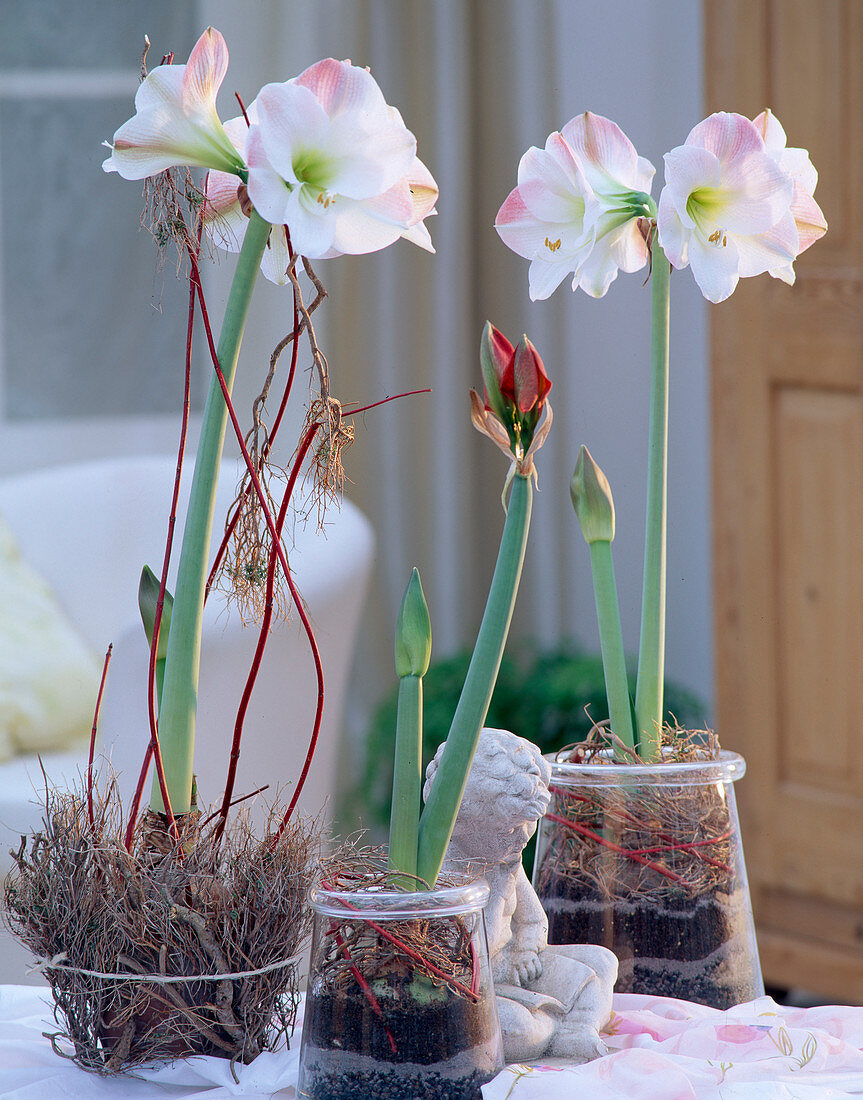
552, 1000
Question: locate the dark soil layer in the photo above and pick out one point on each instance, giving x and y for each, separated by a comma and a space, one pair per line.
695, 949
394, 1083
445, 1050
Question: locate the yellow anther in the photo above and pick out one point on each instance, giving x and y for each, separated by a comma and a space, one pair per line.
552, 246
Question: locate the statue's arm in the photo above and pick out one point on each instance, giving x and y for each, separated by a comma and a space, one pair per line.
529, 931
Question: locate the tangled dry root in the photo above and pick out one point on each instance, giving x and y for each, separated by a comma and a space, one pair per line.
78, 899
640, 839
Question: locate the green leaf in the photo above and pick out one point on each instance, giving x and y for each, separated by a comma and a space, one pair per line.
148, 597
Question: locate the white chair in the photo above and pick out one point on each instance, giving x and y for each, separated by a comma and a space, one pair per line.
88, 529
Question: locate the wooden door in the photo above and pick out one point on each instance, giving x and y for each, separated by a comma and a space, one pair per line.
788, 503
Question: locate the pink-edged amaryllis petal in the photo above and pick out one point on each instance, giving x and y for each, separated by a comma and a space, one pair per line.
332, 161
725, 209
608, 157
175, 121
343, 88
205, 69
808, 217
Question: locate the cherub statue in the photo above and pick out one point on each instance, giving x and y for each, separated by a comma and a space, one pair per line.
552, 1000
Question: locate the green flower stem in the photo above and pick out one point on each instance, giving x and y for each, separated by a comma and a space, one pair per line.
438, 817
611, 644
182, 663
407, 779
651, 649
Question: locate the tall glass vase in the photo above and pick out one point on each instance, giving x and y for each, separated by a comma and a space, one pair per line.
647, 860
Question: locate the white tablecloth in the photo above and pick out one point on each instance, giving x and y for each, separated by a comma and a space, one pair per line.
660, 1050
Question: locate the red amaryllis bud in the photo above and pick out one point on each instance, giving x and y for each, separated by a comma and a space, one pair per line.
525, 384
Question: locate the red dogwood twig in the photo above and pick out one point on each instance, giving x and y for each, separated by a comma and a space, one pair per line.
582, 830
93, 736
263, 633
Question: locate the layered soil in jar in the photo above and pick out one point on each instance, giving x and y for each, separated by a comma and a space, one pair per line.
691, 948
438, 1046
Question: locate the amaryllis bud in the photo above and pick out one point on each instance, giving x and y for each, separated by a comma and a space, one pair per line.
495, 356
413, 631
591, 499
530, 383
516, 387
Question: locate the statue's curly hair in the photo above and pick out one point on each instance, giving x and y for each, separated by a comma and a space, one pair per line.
507, 776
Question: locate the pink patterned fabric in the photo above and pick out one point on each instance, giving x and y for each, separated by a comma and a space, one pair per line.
659, 1050
662, 1049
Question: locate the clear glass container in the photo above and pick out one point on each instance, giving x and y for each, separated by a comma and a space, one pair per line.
400, 1002
647, 860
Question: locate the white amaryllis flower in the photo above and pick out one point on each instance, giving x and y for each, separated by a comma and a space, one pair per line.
175, 119
725, 209
329, 159
806, 212
576, 207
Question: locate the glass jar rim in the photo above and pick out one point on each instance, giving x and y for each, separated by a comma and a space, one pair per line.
726, 767
381, 903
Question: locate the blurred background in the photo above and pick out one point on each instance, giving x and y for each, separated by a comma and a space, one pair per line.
91, 338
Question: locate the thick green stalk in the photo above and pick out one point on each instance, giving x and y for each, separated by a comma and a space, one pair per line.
438, 817
407, 778
180, 689
651, 649
611, 643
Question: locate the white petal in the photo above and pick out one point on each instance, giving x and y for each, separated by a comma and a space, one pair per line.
552, 183
276, 259
267, 190
162, 88
715, 269
357, 231
674, 237
771, 131
757, 193
597, 273
291, 122
800, 168
810, 221
367, 161
762, 252
418, 234
311, 225
544, 278
629, 248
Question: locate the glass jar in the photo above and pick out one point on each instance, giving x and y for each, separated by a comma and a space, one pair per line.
647, 860
400, 1002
